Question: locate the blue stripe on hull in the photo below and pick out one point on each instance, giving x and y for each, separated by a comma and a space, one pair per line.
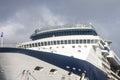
92, 72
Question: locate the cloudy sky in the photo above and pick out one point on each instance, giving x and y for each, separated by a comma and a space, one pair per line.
19, 18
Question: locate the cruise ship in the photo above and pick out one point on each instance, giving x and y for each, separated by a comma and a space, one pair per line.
67, 52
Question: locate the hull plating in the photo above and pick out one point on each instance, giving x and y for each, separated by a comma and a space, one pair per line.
21, 64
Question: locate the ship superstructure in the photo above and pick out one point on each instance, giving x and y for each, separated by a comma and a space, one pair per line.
79, 41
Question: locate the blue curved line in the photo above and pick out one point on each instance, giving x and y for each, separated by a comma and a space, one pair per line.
92, 72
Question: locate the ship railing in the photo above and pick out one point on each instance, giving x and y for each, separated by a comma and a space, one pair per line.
8, 44
115, 75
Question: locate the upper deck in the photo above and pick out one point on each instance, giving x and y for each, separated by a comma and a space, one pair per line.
66, 30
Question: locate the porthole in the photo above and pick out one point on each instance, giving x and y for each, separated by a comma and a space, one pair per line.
53, 70
85, 46
79, 46
73, 46
79, 50
50, 47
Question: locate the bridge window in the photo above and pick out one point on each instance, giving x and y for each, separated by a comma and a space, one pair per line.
64, 33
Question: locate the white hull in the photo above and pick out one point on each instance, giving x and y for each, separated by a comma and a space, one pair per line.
20, 64
21, 67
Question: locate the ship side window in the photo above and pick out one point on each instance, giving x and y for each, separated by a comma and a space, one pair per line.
62, 42
80, 41
48, 42
96, 41
84, 41
51, 42
77, 41
102, 42
32, 44
106, 48
58, 42
39, 44
92, 41
65, 41
73, 41
27, 46
45, 43
35, 44
54, 42
88, 41
24, 46
69, 41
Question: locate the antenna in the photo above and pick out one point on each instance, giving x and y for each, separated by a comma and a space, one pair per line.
1, 39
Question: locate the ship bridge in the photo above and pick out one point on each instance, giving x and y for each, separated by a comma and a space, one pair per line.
67, 30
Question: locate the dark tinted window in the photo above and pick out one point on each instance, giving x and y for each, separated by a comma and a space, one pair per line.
64, 33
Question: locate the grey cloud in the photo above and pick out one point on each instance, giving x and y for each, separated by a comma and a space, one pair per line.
84, 9
24, 22
72, 9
